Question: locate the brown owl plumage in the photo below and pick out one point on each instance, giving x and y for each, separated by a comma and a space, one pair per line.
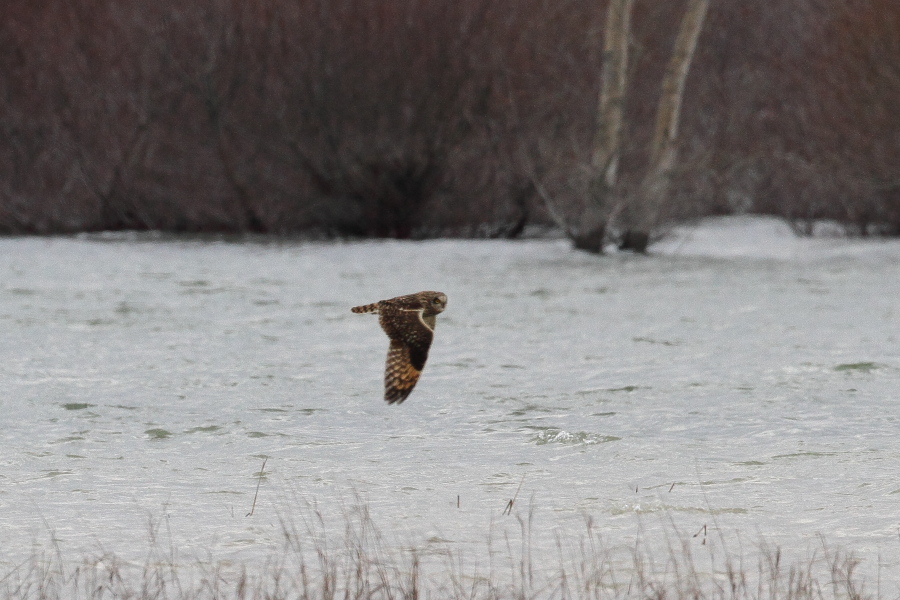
409, 323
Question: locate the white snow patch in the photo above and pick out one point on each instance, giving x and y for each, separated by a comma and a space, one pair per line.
764, 238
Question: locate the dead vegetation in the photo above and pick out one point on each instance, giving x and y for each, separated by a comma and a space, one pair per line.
473, 117
361, 563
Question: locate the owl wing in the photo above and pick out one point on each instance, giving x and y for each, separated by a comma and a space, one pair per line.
407, 353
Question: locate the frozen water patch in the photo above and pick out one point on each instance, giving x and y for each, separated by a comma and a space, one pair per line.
555, 435
736, 371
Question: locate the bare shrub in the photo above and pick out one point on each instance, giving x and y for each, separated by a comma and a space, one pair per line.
801, 128
417, 119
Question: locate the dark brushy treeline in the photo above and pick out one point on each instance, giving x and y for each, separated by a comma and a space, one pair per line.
799, 123
417, 118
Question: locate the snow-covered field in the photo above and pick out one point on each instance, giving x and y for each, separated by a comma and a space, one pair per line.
737, 378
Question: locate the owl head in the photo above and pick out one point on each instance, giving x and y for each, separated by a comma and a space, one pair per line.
433, 302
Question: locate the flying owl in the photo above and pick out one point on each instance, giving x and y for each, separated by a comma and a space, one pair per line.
409, 322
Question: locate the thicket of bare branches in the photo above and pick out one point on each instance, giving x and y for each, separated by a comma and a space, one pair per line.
420, 118
799, 122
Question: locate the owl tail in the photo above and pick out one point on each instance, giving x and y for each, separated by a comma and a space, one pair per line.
366, 308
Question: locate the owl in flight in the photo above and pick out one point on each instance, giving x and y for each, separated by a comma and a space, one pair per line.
409, 322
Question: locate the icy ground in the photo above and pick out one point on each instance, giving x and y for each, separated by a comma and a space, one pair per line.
737, 378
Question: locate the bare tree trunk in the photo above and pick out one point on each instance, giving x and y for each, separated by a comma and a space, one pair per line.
663, 147
611, 103
608, 135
